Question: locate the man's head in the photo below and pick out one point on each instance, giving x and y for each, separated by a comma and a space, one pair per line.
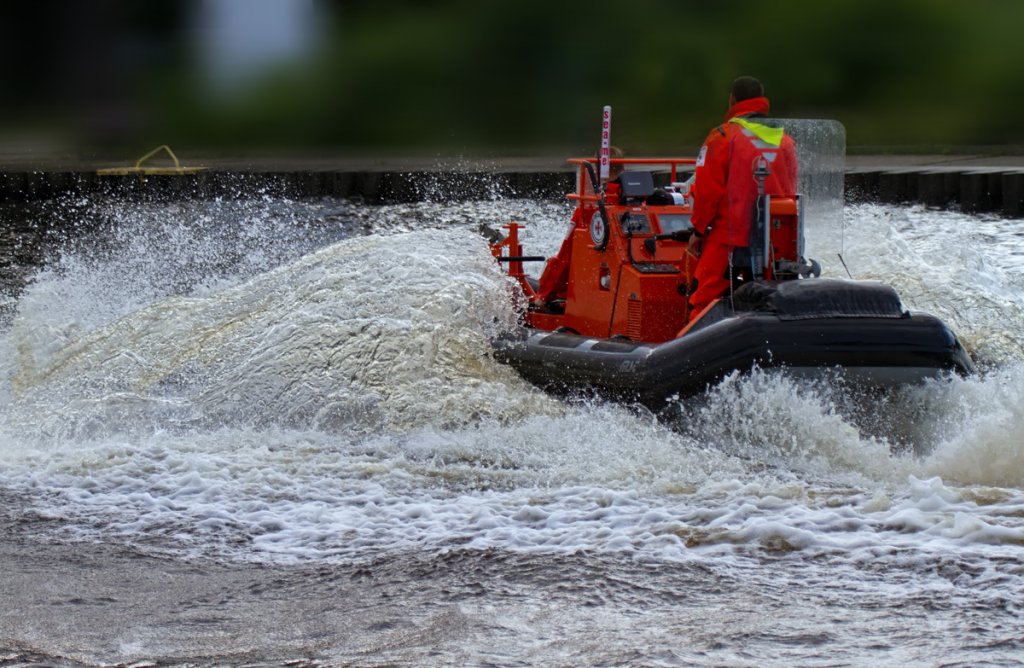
745, 88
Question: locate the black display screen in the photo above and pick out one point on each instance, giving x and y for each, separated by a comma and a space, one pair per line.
674, 222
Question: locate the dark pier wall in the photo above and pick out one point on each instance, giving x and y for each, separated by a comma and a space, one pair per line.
972, 189
375, 187
998, 190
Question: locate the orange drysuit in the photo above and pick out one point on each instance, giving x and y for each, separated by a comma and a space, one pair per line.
725, 193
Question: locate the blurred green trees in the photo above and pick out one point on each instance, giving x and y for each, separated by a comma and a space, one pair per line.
488, 76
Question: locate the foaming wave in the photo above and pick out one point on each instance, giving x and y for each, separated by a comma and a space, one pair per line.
950, 264
112, 258
808, 425
964, 430
372, 332
587, 445
594, 477
589, 478
982, 443
343, 404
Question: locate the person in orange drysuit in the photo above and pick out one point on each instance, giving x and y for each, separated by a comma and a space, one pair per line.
724, 189
554, 281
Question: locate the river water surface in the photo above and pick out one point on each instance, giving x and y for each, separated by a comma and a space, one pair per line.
269, 432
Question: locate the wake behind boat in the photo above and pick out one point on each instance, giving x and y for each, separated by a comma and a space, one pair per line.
620, 323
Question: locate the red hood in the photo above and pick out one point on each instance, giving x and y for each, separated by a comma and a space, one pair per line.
755, 105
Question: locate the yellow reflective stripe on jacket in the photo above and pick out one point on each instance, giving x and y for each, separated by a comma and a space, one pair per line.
766, 134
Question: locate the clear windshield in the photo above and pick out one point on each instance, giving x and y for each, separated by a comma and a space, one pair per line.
821, 154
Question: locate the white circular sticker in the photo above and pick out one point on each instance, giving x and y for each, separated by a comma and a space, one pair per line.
598, 230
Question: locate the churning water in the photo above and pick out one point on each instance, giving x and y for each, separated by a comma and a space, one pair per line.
269, 432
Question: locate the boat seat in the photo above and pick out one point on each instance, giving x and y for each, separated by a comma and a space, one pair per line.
820, 298
781, 235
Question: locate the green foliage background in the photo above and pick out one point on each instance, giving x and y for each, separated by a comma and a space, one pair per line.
487, 76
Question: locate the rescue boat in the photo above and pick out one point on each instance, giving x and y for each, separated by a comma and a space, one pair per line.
623, 329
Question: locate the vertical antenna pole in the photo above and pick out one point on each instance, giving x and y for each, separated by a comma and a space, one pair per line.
606, 143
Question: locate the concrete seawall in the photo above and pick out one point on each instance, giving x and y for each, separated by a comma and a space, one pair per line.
375, 187
968, 183
998, 190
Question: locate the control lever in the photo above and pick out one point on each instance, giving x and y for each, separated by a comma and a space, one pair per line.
678, 235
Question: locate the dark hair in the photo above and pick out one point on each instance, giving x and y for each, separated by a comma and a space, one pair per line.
745, 88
